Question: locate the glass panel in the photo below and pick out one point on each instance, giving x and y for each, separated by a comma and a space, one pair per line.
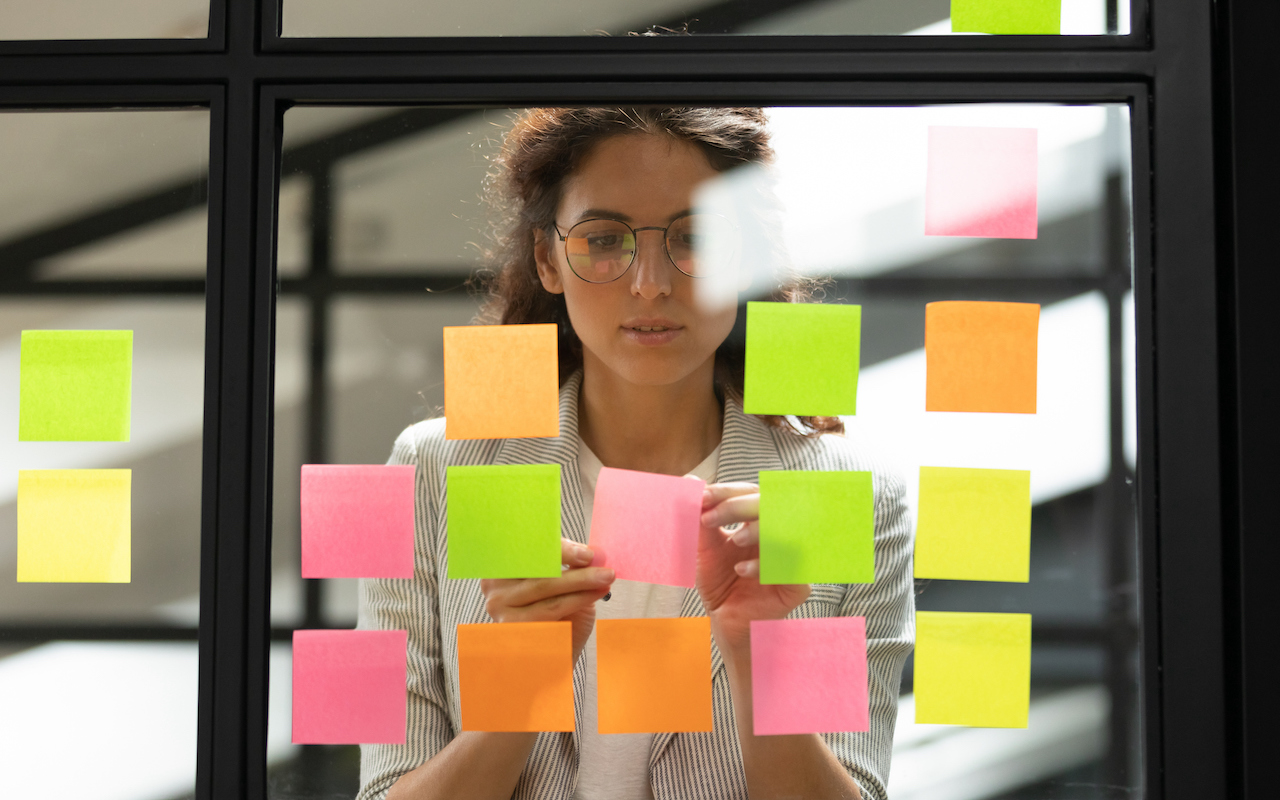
105, 19
404, 209
315, 18
92, 198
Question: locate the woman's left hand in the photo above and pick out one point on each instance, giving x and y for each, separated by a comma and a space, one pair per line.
729, 565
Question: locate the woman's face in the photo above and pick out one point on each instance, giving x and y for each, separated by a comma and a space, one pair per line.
645, 326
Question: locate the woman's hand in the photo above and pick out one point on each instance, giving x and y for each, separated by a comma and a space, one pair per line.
572, 596
729, 565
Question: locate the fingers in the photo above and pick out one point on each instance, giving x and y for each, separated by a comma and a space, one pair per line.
573, 554
747, 536
717, 493
519, 593
748, 569
738, 507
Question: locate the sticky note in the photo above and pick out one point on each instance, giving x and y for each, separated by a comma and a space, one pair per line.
981, 182
981, 356
802, 359
816, 527
974, 524
74, 525
503, 521
501, 382
973, 669
516, 676
645, 526
349, 687
357, 521
74, 386
1006, 16
653, 675
809, 675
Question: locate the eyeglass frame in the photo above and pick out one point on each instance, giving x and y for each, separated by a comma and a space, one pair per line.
564, 238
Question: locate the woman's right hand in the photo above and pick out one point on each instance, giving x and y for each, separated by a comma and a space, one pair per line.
572, 596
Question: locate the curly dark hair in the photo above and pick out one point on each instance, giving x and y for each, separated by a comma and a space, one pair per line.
523, 190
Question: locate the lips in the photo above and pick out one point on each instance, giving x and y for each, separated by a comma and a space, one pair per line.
651, 331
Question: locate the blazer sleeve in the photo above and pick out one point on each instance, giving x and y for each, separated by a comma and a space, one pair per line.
412, 606
888, 605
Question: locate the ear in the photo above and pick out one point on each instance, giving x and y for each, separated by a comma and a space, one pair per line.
548, 271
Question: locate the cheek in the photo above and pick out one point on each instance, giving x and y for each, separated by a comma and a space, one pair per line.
591, 309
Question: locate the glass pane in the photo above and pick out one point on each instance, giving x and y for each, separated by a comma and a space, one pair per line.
105, 19
315, 18
851, 190
91, 199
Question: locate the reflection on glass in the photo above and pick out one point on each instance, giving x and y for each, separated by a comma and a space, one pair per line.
849, 185
315, 18
105, 19
92, 198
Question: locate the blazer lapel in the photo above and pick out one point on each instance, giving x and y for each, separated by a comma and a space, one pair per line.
747, 448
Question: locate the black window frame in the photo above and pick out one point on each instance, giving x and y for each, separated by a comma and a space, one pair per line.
1174, 70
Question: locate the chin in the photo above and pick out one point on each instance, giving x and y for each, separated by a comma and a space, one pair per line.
657, 371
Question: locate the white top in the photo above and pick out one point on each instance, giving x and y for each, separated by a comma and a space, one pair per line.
616, 766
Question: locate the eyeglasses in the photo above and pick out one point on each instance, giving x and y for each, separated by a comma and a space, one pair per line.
601, 250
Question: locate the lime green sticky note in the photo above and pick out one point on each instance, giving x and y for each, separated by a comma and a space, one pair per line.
974, 524
74, 386
1006, 16
504, 521
816, 527
973, 669
802, 359
73, 525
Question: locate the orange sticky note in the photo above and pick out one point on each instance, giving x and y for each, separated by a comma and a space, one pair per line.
653, 675
516, 676
501, 382
981, 356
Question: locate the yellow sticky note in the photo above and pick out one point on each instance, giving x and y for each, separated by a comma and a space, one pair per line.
973, 669
73, 525
974, 524
501, 382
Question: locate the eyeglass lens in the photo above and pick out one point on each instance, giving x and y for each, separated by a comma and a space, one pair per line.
600, 250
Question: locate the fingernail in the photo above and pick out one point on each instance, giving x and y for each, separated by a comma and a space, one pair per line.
581, 551
741, 568
604, 577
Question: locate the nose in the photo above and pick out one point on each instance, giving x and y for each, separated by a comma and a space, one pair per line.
651, 273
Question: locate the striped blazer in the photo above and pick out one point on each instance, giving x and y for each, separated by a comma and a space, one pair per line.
683, 766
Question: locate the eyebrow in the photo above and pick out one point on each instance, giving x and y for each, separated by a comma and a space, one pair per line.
606, 213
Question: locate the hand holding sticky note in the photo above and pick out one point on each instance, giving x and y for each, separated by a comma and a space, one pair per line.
802, 358
357, 521
349, 687
981, 182
816, 527
516, 676
503, 521
981, 357
645, 526
973, 669
974, 524
74, 525
501, 382
653, 675
809, 675
75, 386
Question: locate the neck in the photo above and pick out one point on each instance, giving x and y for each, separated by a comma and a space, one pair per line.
666, 429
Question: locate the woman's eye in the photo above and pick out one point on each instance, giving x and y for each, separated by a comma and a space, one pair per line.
604, 241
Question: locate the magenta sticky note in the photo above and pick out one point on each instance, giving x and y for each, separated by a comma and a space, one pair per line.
981, 182
645, 526
357, 521
349, 687
809, 675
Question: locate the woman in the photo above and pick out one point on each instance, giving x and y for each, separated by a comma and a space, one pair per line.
652, 381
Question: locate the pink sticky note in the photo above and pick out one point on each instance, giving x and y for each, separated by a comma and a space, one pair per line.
349, 687
645, 526
809, 675
357, 521
981, 182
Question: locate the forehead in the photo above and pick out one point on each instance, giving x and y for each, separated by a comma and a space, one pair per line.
637, 174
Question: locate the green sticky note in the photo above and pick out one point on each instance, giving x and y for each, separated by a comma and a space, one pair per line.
74, 386
504, 521
74, 525
974, 524
802, 359
973, 669
816, 527
1006, 16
